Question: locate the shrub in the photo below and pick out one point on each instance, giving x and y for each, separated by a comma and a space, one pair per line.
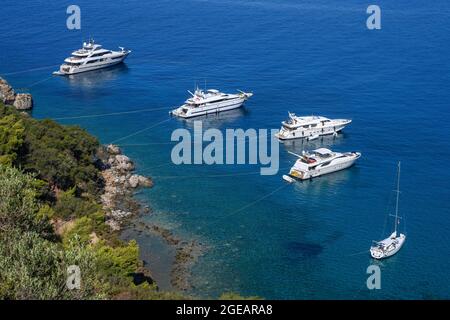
119, 261
18, 204
11, 138
34, 268
69, 206
64, 156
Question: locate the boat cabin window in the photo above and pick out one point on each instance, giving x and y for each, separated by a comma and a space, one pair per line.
324, 155
100, 54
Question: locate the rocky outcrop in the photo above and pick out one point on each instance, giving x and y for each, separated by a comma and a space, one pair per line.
139, 181
121, 163
7, 94
21, 101
120, 181
113, 150
119, 205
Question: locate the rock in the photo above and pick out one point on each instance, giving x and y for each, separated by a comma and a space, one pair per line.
122, 162
119, 214
119, 184
93, 238
113, 224
112, 149
139, 181
122, 179
23, 101
145, 182
134, 181
7, 94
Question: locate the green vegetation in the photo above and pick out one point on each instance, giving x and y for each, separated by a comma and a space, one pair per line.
68, 205
61, 155
50, 218
11, 139
18, 204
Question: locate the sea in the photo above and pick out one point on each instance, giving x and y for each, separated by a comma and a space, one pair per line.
262, 236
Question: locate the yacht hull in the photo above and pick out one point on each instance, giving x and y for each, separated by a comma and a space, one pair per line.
376, 254
91, 67
305, 133
209, 108
338, 165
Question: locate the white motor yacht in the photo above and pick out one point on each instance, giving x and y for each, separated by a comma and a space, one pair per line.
210, 101
391, 245
91, 57
321, 161
309, 126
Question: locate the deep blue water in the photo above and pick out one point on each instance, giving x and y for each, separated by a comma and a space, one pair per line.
310, 57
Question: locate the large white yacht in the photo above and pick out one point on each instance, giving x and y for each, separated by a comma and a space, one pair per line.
321, 161
91, 57
309, 126
210, 101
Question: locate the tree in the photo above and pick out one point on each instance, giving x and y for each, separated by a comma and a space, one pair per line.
18, 204
34, 268
11, 138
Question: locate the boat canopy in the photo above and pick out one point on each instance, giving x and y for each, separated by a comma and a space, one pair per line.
323, 151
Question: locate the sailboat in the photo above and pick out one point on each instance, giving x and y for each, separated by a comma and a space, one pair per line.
391, 245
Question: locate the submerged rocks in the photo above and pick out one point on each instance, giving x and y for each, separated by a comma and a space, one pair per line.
185, 257
21, 101
120, 206
120, 182
186, 253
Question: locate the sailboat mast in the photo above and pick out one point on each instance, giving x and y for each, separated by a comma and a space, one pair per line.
398, 195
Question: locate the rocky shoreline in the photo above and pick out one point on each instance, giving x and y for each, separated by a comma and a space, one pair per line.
121, 210
120, 206
20, 101
120, 183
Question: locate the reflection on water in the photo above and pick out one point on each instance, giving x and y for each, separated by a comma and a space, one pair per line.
328, 141
215, 120
316, 185
96, 78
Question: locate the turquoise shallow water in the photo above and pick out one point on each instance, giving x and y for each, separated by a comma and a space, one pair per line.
267, 238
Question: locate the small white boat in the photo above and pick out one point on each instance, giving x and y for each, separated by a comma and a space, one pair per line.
321, 161
304, 127
210, 101
288, 178
91, 57
313, 137
391, 245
